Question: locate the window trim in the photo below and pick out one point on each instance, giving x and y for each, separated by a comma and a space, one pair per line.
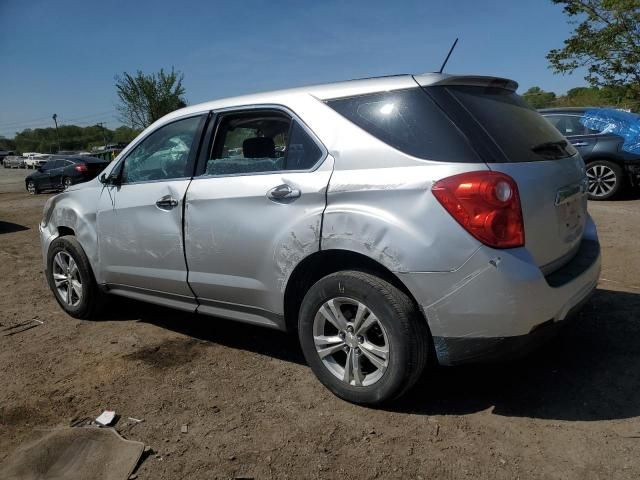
193, 152
213, 129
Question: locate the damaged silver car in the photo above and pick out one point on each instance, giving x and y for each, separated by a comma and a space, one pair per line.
391, 222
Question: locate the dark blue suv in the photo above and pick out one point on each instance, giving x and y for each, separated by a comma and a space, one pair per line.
609, 167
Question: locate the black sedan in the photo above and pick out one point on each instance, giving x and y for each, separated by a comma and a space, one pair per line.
62, 172
609, 166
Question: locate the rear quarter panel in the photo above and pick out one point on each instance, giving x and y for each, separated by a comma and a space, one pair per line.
379, 204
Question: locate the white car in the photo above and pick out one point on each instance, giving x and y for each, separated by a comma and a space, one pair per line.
35, 160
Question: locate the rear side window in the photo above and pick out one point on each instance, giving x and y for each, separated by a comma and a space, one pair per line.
519, 131
409, 121
569, 125
260, 142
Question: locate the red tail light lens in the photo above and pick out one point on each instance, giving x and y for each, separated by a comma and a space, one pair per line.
81, 167
486, 204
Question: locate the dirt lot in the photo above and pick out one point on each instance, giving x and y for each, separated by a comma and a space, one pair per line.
571, 410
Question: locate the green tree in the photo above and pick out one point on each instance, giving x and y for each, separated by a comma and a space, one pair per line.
7, 143
124, 134
605, 41
538, 98
144, 98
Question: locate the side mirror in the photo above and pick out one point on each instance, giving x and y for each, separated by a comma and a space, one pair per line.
108, 180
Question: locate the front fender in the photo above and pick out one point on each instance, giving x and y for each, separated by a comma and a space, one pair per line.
74, 210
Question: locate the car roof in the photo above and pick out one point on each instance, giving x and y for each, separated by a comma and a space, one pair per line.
77, 158
347, 88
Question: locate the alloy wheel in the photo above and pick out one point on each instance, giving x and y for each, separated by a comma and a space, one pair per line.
31, 188
351, 341
66, 277
602, 180
67, 183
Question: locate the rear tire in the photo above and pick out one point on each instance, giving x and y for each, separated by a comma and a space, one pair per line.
606, 179
71, 279
66, 183
385, 348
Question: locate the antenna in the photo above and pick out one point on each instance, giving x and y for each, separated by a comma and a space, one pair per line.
448, 55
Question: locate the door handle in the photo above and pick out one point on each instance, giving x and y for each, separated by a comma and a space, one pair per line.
579, 144
283, 193
167, 203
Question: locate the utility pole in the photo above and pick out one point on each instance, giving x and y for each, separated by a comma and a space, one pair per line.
104, 137
55, 120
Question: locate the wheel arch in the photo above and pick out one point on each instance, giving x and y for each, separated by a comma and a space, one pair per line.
607, 158
325, 262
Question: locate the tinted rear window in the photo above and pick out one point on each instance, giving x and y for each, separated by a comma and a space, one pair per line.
520, 131
409, 121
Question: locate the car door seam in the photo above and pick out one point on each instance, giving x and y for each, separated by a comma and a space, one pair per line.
184, 241
326, 202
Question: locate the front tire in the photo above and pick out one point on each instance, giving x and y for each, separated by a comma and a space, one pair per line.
605, 179
31, 187
71, 279
66, 183
363, 338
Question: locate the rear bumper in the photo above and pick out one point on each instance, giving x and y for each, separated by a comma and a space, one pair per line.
499, 302
461, 350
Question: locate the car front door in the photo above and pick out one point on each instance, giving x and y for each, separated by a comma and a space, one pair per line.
41, 177
139, 218
253, 212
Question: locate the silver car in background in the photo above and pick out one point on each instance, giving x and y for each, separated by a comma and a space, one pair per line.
389, 221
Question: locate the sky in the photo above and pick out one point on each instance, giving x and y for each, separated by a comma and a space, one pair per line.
62, 56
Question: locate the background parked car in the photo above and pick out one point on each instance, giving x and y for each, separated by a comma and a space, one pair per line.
4, 154
35, 160
14, 161
609, 167
62, 172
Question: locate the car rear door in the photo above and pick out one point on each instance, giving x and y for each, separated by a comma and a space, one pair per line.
253, 212
139, 218
569, 125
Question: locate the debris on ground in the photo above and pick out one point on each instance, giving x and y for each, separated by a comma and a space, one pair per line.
106, 418
22, 327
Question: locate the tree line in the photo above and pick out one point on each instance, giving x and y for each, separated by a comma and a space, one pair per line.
70, 137
622, 96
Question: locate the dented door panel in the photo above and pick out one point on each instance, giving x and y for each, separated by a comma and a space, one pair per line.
241, 246
140, 244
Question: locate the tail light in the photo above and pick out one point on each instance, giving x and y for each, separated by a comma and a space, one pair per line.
486, 204
81, 167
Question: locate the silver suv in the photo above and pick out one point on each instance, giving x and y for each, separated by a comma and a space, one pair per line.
391, 222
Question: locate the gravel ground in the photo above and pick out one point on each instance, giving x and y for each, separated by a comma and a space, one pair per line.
253, 408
